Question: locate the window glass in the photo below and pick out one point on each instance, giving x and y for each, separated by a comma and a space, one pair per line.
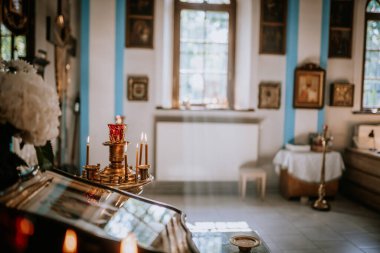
204, 55
371, 80
373, 6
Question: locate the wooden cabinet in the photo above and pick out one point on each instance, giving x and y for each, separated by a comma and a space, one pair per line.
361, 180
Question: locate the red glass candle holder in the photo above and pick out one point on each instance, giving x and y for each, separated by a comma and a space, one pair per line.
117, 132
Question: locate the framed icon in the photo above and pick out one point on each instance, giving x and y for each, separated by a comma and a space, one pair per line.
137, 88
309, 87
269, 95
342, 94
140, 24
273, 26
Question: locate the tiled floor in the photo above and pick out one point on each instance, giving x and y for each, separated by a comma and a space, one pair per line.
289, 226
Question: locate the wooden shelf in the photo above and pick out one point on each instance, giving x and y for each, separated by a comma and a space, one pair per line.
361, 179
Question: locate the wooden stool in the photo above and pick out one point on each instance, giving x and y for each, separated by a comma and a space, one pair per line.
257, 174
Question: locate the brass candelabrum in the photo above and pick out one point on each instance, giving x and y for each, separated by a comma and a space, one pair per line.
321, 203
118, 173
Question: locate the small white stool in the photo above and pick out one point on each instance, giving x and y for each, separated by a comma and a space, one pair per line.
258, 174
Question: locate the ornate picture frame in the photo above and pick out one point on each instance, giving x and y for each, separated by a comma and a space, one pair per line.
269, 95
309, 83
137, 88
342, 94
139, 24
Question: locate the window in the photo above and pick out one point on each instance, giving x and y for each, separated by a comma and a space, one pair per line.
371, 67
203, 53
17, 29
12, 46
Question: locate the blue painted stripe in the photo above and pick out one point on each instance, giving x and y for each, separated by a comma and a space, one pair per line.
324, 54
119, 55
84, 79
291, 64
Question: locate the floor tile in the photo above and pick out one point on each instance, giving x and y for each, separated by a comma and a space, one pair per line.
371, 250
337, 246
320, 233
293, 242
288, 226
364, 240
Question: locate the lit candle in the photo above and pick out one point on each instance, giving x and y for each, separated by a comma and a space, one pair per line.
129, 244
137, 160
141, 147
88, 151
70, 242
146, 149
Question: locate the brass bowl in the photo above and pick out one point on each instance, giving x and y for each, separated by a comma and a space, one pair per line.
245, 242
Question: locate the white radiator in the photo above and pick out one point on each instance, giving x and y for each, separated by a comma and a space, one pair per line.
204, 151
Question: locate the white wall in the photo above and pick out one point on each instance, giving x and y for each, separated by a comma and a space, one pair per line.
156, 63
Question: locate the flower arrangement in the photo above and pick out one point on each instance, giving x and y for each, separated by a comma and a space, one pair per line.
29, 108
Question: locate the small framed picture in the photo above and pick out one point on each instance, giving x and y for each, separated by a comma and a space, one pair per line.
269, 95
139, 24
342, 94
137, 88
309, 87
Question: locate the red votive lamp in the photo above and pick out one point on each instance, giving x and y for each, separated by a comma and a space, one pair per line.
116, 132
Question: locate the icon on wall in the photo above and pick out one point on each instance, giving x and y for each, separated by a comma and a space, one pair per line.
342, 94
269, 95
273, 26
137, 88
140, 24
309, 86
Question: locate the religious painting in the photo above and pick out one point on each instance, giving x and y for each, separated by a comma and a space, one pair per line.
340, 43
340, 38
269, 95
140, 23
342, 94
309, 87
137, 88
273, 10
341, 13
273, 26
272, 39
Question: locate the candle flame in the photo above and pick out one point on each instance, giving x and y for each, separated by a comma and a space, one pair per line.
125, 148
142, 136
137, 146
145, 138
70, 242
88, 139
128, 244
25, 226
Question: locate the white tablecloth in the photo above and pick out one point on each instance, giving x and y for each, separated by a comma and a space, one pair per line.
307, 165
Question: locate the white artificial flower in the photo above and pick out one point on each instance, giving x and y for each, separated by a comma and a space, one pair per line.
28, 103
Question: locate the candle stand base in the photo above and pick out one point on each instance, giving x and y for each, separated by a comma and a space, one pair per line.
321, 205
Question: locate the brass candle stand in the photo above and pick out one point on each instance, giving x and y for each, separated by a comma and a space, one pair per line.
321, 203
118, 174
